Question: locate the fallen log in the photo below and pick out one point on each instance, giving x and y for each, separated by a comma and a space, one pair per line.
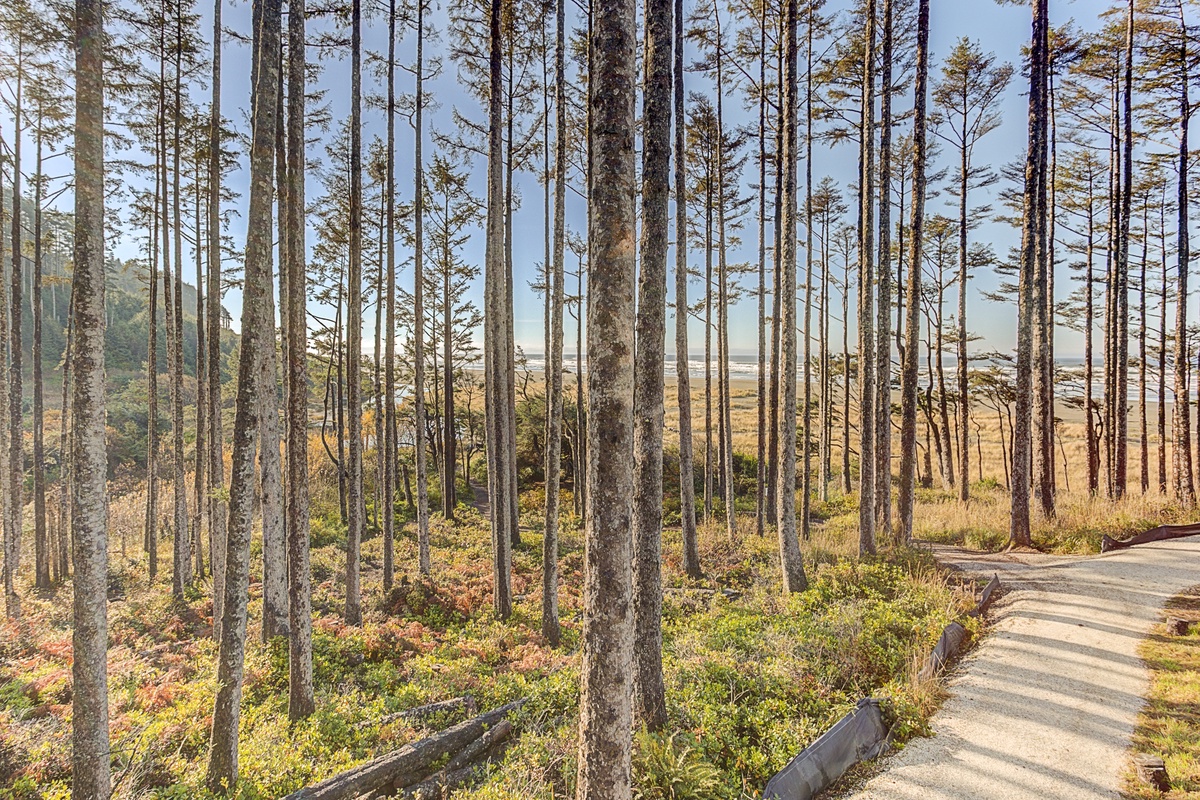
702, 591
858, 736
465, 703
407, 765
1160, 534
458, 770
480, 747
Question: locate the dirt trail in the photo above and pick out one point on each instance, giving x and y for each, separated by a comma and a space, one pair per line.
1045, 706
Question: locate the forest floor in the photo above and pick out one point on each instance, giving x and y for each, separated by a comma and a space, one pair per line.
751, 676
1046, 706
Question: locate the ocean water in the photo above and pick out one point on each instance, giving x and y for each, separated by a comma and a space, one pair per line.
1069, 378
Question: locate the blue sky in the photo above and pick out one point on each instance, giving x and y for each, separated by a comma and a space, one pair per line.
999, 28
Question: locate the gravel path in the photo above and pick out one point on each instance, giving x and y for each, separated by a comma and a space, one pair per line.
1045, 706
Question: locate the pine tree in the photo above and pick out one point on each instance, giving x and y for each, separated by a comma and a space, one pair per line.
866, 299
216, 438
649, 689
496, 335
300, 668
913, 291
966, 96
554, 356
90, 759
791, 563
222, 769
608, 625
420, 446
687, 476
1019, 532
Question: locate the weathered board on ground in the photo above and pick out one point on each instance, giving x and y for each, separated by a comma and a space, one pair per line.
858, 736
1159, 534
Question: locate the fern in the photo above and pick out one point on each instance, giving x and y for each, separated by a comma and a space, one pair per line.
673, 768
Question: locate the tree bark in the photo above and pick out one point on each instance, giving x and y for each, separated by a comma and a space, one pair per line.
182, 575
496, 393
1019, 531
683, 381
222, 769
16, 438
791, 562
866, 304
554, 362
300, 669
649, 690
355, 507
912, 319
274, 535
760, 495
1122, 363
806, 436
423, 557
41, 539
90, 758
608, 624
216, 463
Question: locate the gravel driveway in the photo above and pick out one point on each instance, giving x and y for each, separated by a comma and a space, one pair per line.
1045, 706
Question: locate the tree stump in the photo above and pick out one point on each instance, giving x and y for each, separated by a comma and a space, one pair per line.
1152, 772
1177, 626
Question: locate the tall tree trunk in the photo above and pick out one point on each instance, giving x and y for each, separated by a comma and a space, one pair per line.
300, 669
16, 438
791, 562
1093, 445
1043, 390
883, 333
912, 300
847, 485
683, 381
774, 423
806, 436
826, 394
866, 301
216, 463
222, 769
1143, 431
182, 575
12, 606
608, 625
1122, 395
201, 381
554, 359
41, 539
1162, 350
709, 460
90, 759
1019, 531
354, 477
760, 494
649, 690
389, 299
495, 334
964, 391
423, 557
62, 554
274, 536
150, 536
580, 406
726, 421
1181, 417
